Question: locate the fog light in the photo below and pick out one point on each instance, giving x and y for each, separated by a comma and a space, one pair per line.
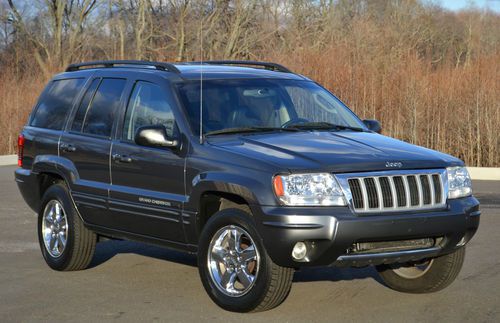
462, 242
299, 251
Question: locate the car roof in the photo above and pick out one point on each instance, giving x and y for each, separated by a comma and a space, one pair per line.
188, 71
193, 72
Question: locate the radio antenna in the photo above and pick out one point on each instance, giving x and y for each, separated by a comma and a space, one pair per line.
201, 80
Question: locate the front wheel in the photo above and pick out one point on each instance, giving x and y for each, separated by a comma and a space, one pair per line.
234, 267
426, 276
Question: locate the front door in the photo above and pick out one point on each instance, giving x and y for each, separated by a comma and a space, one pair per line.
147, 191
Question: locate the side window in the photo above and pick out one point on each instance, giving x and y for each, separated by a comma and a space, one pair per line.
148, 105
56, 103
84, 105
97, 111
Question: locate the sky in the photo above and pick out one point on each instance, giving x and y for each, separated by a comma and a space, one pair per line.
461, 4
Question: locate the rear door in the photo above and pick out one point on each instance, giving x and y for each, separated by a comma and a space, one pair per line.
147, 193
87, 144
48, 119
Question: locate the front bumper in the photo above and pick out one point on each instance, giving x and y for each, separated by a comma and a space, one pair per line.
329, 232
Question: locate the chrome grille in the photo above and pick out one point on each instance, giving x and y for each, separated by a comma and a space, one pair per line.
394, 190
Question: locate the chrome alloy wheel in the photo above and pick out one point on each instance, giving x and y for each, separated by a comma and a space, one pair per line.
54, 228
415, 271
233, 261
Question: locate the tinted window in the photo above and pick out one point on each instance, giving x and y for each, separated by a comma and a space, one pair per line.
148, 105
98, 119
56, 103
82, 109
262, 103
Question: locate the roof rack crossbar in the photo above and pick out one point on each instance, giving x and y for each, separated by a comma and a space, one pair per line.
107, 64
266, 65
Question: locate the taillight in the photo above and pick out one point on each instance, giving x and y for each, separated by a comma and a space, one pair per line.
20, 150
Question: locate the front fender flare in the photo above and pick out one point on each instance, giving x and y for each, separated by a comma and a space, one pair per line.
223, 183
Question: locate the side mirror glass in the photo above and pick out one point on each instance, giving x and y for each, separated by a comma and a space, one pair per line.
154, 136
373, 125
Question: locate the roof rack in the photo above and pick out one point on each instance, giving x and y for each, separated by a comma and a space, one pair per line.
266, 65
107, 64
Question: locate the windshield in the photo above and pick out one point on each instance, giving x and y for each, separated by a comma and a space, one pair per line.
265, 104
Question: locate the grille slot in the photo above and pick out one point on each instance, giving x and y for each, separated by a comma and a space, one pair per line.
413, 187
426, 189
392, 246
400, 190
357, 195
394, 191
385, 186
436, 181
371, 191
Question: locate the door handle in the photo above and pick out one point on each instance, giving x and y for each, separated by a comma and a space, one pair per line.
68, 148
121, 158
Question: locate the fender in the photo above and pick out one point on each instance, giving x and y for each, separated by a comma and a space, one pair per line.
219, 182
64, 168
56, 165
242, 186
28, 180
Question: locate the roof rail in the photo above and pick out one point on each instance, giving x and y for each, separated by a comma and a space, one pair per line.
95, 64
266, 65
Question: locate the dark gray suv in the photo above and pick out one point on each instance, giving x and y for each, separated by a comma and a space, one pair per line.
257, 170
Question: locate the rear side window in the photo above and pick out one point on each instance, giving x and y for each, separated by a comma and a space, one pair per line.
56, 103
84, 105
97, 111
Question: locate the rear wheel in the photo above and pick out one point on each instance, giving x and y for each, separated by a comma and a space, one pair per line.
426, 276
234, 267
65, 242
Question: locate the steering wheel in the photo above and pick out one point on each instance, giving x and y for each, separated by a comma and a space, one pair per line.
294, 121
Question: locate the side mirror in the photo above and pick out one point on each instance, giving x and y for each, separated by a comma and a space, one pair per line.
373, 125
154, 136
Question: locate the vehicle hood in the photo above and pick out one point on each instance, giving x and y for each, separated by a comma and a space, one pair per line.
341, 151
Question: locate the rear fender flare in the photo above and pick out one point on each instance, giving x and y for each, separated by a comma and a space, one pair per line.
56, 165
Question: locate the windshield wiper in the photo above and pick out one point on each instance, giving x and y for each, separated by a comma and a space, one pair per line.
248, 130
322, 126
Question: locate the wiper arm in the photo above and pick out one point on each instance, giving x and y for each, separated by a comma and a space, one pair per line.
323, 125
247, 130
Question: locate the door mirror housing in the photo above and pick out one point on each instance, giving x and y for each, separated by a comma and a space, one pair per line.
154, 136
373, 125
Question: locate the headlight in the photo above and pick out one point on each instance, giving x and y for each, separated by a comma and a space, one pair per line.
308, 190
459, 183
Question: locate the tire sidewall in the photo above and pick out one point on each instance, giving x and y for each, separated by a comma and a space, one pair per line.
60, 193
252, 298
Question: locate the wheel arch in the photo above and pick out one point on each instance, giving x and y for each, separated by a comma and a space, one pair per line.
49, 170
213, 201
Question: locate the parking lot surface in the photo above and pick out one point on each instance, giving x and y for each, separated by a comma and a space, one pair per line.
133, 282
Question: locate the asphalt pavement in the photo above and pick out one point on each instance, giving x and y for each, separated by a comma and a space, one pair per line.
132, 282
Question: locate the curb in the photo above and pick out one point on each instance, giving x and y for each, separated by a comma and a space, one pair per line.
476, 173
484, 173
8, 160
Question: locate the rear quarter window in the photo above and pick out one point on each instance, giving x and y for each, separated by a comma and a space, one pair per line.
55, 105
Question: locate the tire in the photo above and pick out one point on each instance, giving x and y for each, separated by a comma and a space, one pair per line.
271, 283
434, 274
79, 247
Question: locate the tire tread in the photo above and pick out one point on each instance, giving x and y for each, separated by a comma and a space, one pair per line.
445, 271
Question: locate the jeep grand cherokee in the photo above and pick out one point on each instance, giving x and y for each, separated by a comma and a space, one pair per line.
257, 170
